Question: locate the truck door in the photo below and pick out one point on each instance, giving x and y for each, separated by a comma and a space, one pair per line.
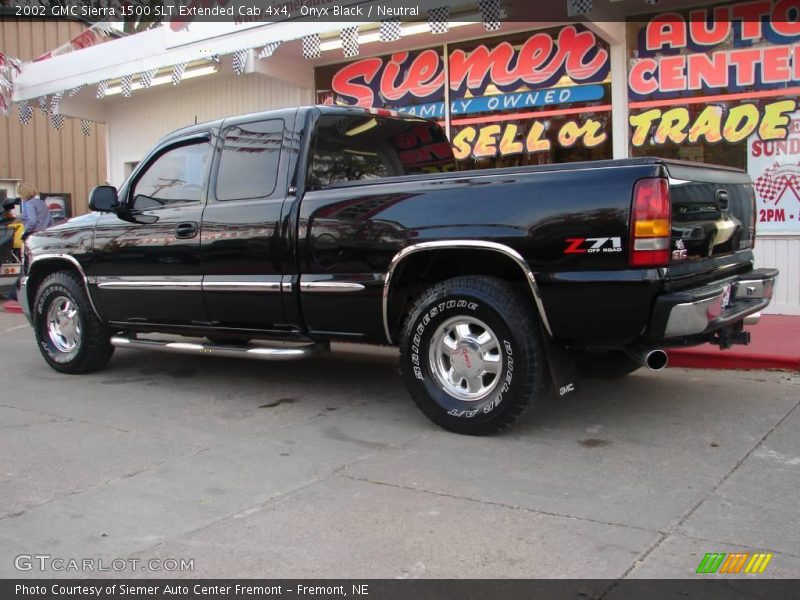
241, 250
147, 269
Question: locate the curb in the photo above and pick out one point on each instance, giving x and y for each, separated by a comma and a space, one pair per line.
696, 359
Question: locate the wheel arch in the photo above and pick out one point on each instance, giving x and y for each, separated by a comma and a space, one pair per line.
423, 255
46, 264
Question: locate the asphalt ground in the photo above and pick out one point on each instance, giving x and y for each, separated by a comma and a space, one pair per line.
325, 468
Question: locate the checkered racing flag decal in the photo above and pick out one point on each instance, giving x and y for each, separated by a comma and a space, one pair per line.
25, 112
101, 89
490, 13
774, 181
146, 78
75, 90
239, 61
269, 50
311, 46
57, 121
126, 86
350, 41
391, 30
579, 7
86, 127
44, 106
438, 19
177, 73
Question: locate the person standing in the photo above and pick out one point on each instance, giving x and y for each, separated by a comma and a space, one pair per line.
35, 217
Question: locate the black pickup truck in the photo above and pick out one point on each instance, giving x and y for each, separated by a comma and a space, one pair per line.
268, 235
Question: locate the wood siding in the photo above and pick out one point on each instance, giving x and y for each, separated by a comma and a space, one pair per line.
54, 161
782, 253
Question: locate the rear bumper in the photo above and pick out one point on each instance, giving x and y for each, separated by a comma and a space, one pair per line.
712, 307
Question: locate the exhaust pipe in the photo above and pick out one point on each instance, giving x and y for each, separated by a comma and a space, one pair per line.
655, 360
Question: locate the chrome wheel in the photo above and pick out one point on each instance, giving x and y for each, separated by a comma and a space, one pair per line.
64, 325
465, 358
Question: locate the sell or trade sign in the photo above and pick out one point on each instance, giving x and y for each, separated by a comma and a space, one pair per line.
676, 53
774, 167
509, 139
406, 78
712, 123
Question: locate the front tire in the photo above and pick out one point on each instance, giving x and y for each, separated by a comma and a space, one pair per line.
472, 355
70, 336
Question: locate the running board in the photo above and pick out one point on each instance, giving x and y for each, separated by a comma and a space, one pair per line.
287, 352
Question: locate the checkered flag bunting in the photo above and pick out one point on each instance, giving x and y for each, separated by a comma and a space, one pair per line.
439, 19
239, 61
126, 86
101, 89
269, 50
490, 13
57, 121
177, 73
391, 30
579, 7
350, 41
86, 127
55, 100
75, 90
214, 58
773, 182
311, 46
44, 106
146, 78
25, 112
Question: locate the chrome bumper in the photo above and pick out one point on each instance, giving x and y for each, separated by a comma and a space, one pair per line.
713, 307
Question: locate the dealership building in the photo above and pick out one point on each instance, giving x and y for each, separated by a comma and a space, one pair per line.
580, 80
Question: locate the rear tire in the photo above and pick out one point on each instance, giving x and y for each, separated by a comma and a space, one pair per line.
611, 364
70, 336
472, 355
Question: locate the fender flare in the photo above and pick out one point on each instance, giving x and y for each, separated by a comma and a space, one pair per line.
74, 261
467, 244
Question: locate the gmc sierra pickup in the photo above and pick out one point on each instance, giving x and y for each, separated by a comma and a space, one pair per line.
268, 235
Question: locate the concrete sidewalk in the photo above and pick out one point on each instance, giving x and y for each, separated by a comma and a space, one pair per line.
775, 344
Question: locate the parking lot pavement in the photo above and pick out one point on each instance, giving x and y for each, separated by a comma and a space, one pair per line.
324, 468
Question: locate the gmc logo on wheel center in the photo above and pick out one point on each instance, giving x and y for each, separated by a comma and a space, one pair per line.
602, 245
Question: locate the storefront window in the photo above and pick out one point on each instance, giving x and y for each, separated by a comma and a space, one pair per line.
720, 85
529, 98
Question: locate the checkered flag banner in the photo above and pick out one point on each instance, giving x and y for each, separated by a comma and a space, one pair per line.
126, 86
101, 89
25, 112
44, 106
55, 100
86, 127
311, 46
490, 13
391, 30
438, 19
75, 90
776, 180
57, 121
177, 73
349, 37
214, 58
239, 61
579, 7
146, 78
269, 50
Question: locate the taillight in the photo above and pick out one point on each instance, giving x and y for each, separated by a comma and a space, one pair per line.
651, 223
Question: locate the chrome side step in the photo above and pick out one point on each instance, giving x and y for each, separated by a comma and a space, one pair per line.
285, 352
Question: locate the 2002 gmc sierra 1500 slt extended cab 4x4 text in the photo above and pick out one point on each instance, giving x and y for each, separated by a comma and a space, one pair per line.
269, 235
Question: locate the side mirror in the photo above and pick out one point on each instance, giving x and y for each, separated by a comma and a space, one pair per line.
104, 199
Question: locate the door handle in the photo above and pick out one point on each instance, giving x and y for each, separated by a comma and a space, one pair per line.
186, 231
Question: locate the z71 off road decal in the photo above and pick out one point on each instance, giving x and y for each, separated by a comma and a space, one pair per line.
598, 245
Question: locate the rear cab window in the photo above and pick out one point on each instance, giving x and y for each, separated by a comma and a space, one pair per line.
248, 167
353, 148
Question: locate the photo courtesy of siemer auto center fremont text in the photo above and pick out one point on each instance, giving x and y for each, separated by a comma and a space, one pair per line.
398, 299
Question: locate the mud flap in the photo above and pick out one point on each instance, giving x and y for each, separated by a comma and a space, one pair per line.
562, 368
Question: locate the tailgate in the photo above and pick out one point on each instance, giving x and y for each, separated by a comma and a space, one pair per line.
713, 221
